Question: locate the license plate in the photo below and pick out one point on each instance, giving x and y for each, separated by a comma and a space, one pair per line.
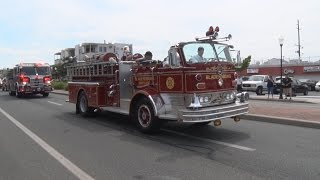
38, 89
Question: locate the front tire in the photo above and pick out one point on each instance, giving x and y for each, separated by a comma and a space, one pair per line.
45, 94
18, 94
259, 91
144, 116
305, 92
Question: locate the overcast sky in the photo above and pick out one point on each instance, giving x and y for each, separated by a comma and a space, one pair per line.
34, 30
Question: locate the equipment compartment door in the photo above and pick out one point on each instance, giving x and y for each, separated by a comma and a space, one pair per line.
126, 90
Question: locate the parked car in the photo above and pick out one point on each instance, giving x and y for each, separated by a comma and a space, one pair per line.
256, 83
296, 85
310, 83
245, 78
317, 87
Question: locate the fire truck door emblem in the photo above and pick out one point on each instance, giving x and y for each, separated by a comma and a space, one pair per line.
170, 83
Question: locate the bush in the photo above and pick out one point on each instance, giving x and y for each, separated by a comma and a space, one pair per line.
66, 87
60, 85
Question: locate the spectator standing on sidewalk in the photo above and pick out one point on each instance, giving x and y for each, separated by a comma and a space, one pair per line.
239, 84
287, 86
270, 85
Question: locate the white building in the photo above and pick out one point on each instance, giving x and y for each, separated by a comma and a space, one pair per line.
87, 51
65, 54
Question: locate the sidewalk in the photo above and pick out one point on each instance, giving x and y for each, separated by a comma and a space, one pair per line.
300, 111
296, 99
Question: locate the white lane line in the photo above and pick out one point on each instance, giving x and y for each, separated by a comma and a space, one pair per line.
211, 141
55, 103
54, 153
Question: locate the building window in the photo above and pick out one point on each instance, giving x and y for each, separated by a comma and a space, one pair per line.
105, 49
100, 49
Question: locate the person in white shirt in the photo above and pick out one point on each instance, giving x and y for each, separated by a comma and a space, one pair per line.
199, 57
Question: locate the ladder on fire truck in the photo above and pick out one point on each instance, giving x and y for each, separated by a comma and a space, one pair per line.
92, 69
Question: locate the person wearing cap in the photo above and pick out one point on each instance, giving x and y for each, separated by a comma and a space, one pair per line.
199, 57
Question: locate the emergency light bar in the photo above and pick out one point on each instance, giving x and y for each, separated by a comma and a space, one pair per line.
33, 64
213, 38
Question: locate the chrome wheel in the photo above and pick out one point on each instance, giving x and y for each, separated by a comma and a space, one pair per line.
144, 116
83, 103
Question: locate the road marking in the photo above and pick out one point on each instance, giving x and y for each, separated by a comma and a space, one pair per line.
211, 141
54, 153
55, 103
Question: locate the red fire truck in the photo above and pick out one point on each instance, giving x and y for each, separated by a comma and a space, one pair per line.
29, 78
194, 84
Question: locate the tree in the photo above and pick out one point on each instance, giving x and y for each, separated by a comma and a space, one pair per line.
59, 71
245, 64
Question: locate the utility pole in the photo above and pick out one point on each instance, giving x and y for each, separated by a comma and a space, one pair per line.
299, 45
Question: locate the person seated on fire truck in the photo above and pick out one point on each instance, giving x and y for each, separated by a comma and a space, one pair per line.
127, 56
148, 55
199, 57
210, 31
146, 59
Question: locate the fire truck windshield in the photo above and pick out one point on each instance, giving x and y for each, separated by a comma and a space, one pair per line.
206, 52
35, 70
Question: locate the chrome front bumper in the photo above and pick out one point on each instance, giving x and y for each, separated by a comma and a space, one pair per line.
214, 113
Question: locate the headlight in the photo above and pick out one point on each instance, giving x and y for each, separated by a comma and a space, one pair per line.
220, 82
232, 96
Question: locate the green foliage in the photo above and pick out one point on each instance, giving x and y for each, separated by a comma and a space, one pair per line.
59, 71
245, 64
60, 85
66, 87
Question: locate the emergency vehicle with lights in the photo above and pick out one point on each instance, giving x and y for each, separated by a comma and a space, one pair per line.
29, 78
152, 92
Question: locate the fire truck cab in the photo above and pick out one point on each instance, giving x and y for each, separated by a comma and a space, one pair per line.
29, 78
194, 84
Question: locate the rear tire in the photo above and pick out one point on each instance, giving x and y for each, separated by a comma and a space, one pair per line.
144, 116
45, 94
305, 92
82, 106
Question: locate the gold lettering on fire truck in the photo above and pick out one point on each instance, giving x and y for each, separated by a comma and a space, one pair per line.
143, 80
170, 83
216, 76
216, 68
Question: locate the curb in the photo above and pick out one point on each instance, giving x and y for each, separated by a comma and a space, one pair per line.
61, 93
282, 120
282, 100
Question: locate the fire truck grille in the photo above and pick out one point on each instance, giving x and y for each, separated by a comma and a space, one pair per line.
36, 82
210, 114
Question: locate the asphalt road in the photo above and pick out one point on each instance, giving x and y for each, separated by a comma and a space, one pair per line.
43, 138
